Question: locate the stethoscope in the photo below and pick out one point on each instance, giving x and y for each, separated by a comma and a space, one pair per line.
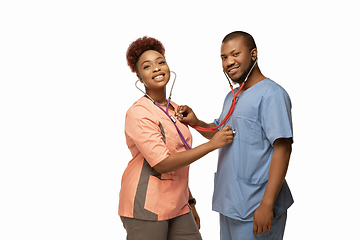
232, 107
173, 120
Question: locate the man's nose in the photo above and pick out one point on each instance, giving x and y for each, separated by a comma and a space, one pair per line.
230, 61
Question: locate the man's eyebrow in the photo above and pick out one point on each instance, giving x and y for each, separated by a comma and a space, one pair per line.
222, 55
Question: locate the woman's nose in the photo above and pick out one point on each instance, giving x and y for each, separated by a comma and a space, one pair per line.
156, 69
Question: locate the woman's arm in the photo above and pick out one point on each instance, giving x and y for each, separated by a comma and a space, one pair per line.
194, 212
181, 159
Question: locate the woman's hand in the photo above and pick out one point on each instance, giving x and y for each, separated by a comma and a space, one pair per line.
222, 137
195, 214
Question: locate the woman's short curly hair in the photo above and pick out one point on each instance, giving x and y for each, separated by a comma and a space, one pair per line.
139, 46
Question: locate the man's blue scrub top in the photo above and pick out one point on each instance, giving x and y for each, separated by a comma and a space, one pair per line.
262, 114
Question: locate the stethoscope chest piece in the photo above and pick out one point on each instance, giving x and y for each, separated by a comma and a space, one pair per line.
234, 132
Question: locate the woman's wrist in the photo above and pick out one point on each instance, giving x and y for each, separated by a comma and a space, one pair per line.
192, 201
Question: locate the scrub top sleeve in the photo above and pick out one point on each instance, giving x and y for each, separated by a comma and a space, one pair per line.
143, 128
276, 116
223, 111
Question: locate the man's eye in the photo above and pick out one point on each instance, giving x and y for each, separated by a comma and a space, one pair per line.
236, 54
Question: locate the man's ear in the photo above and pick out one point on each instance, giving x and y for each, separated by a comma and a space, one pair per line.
254, 54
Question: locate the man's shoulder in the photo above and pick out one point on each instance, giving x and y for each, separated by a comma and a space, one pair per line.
270, 87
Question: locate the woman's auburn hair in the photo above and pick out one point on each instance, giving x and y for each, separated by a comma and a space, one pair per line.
139, 46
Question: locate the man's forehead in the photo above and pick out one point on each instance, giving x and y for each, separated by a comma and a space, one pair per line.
233, 44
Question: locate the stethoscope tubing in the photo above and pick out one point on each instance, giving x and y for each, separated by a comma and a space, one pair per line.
202, 129
232, 107
231, 110
172, 119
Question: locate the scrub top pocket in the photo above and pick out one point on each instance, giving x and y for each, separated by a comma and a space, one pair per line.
248, 197
246, 128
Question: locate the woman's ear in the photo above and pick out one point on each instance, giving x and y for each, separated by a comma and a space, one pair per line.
141, 80
139, 77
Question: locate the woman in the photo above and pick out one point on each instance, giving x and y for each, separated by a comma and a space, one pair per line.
155, 200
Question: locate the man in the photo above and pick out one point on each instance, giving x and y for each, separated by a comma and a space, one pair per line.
250, 191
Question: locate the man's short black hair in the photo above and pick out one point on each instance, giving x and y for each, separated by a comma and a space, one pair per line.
249, 40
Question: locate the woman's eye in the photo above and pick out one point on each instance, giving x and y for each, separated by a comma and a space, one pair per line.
162, 63
146, 66
236, 54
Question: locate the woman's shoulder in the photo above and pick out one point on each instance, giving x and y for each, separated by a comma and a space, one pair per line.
140, 107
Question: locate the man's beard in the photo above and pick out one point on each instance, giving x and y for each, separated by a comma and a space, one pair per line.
242, 78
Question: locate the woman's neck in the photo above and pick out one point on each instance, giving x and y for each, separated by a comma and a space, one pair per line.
158, 96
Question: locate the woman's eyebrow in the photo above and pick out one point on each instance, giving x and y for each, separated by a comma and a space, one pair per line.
150, 61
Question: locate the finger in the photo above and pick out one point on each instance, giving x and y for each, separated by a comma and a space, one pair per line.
227, 128
181, 109
229, 134
255, 229
198, 223
186, 108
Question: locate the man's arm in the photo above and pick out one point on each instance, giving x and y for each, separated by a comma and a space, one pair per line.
263, 215
190, 118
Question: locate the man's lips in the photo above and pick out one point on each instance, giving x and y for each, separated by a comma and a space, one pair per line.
233, 70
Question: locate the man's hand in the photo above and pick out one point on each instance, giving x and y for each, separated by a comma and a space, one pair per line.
263, 217
264, 214
186, 114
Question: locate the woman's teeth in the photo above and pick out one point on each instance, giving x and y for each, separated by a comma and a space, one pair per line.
157, 77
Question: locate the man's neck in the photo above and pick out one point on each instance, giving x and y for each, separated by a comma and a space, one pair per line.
255, 77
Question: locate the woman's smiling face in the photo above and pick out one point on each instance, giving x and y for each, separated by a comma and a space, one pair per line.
153, 70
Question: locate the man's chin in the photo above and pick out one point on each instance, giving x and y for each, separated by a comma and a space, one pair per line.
238, 80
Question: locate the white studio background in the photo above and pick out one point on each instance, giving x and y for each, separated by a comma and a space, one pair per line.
65, 88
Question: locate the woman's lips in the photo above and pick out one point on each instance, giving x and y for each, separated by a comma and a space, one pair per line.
159, 77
